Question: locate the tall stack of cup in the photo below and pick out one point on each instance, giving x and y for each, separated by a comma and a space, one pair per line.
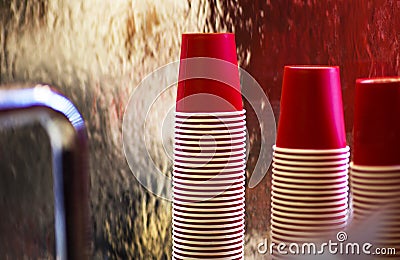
375, 167
209, 151
311, 159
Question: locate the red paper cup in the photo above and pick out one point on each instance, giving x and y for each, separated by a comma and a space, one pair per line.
311, 115
333, 204
285, 218
209, 163
207, 241
214, 116
373, 179
314, 195
193, 118
209, 184
225, 254
204, 196
315, 211
306, 158
209, 236
290, 199
315, 228
176, 256
208, 193
208, 147
229, 229
321, 189
206, 218
189, 198
208, 214
376, 132
310, 163
212, 224
315, 177
208, 74
282, 167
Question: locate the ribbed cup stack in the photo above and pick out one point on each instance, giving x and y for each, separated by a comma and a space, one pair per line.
311, 159
375, 168
209, 152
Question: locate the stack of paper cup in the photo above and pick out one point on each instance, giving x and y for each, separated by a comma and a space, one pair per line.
375, 169
311, 159
209, 155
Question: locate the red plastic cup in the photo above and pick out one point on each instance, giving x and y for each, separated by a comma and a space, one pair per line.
208, 74
311, 115
376, 132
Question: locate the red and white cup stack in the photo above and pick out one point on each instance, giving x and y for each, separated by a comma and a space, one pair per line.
209, 152
311, 159
375, 167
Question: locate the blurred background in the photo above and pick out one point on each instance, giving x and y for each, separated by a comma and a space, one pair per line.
96, 52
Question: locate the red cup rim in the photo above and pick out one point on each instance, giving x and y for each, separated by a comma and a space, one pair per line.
321, 210
375, 168
316, 228
312, 67
201, 241
222, 253
199, 34
221, 115
311, 152
379, 80
307, 204
207, 236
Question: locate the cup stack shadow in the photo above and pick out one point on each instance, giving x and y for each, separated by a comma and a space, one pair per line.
311, 159
375, 166
209, 151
